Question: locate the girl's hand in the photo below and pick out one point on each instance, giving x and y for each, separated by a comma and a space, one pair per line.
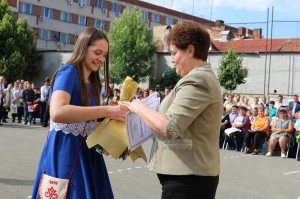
117, 112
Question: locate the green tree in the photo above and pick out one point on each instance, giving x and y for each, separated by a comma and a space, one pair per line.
18, 55
169, 79
231, 72
131, 47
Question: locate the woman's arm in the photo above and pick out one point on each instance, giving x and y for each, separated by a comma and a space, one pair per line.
153, 119
62, 112
267, 126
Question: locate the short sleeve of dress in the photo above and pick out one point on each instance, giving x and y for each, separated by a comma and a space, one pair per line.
65, 79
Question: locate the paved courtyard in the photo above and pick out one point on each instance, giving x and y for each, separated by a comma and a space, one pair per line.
242, 176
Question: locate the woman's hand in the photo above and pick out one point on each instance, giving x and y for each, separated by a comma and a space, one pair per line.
135, 105
117, 112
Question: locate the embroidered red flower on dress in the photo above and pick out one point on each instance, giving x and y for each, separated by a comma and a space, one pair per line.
51, 193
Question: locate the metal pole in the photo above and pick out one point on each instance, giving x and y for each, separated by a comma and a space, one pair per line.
212, 4
270, 51
265, 79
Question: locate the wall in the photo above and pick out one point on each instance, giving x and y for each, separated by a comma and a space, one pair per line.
285, 70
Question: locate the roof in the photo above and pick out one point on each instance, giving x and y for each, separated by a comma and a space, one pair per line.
292, 45
254, 45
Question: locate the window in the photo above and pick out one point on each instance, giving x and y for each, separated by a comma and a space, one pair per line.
99, 24
64, 38
84, 2
145, 15
45, 34
100, 4
169, 21
155, 18
26, 8
82, 20
114, 7
47, 12
64, 16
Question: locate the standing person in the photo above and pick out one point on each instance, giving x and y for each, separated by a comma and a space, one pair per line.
37, 103
167, 91
279, 101
45, 89
1, 105
185, 150
264, 102
8, 97
229, 103
28, 97
74, 106
16, 95
145, 93
294, 106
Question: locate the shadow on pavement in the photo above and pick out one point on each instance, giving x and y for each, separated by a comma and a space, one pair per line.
7, 181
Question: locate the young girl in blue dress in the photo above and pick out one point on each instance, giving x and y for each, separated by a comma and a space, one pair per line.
75, 102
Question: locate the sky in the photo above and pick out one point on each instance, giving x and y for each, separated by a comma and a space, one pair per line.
248, 13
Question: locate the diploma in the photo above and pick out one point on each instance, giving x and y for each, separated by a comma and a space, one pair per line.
137, 131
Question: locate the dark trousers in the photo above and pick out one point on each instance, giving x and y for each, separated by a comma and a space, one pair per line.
188, 186
43, 111
47, 116
236, 140
20, 113
257, 137
5, 114
1, 113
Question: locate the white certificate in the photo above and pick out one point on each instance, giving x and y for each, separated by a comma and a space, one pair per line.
137, 132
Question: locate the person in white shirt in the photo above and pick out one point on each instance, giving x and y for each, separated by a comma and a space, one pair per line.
44, 99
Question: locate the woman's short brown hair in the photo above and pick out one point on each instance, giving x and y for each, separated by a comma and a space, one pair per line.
188, 33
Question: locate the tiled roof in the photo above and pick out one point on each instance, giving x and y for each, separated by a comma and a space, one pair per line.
292, 45
250, 45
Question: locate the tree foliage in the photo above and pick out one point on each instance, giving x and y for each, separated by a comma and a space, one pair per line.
131, 47
231, 72
169, 79
18, 55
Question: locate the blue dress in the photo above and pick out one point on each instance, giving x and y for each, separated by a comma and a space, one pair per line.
90, 178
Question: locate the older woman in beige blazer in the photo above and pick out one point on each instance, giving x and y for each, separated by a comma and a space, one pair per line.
185, 151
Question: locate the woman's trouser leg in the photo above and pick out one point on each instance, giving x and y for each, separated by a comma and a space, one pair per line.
188, 187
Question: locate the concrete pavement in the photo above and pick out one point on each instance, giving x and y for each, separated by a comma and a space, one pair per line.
242, 176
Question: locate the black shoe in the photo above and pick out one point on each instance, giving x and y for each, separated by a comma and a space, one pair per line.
4, 121
45, 125
1, 124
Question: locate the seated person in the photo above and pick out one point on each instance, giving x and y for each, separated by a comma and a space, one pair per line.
272, 109
242, 125
281, 132
253, 115
259, 130
225, 124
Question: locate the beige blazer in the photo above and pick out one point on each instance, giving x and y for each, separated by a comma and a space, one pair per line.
194, 111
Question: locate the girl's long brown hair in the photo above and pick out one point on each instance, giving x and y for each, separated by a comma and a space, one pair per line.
86, 39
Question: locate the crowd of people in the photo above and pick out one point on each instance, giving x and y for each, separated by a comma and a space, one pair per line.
25, 101
260, 124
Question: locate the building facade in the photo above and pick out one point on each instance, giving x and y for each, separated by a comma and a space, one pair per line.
57, 23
